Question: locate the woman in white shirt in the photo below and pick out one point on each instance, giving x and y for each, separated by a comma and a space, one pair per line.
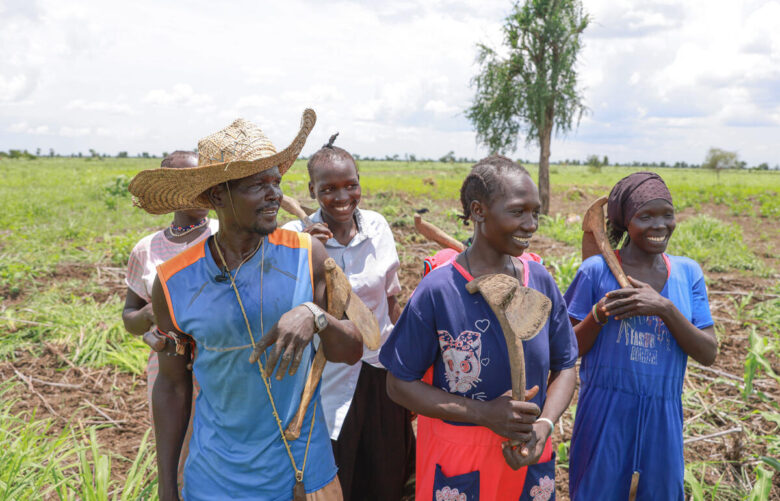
372, 436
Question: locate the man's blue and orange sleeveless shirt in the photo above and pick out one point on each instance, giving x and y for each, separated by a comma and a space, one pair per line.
236, 451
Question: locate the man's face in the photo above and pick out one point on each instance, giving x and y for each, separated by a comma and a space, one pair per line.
255, 201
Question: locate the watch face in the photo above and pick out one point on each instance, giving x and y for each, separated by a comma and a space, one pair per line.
321, 321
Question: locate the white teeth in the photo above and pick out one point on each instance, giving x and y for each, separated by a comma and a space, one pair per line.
656, 239
521, 241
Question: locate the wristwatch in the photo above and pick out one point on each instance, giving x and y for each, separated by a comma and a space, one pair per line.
320, 320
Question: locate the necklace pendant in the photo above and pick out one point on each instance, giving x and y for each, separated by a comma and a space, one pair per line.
299, 492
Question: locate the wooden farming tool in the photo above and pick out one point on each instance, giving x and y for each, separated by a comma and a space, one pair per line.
435, 234
341, 301
595, 241
291, 206
634, 486
521, 311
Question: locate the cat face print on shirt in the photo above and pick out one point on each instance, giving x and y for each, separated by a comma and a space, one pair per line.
462, 359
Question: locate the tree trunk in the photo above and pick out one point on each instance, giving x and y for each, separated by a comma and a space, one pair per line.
545, 137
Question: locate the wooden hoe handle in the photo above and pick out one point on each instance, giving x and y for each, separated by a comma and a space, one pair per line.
435, 234
341, 301
595, 233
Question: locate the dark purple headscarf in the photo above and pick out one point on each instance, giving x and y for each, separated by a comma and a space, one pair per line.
631, 193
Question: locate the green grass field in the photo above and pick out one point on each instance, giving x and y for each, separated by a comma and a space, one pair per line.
68, 225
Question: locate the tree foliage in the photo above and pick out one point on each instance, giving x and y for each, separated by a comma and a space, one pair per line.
718, 159
533, 89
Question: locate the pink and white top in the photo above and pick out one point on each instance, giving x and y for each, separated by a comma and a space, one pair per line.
152, 250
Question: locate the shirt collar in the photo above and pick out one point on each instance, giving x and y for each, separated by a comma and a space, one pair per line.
363, 230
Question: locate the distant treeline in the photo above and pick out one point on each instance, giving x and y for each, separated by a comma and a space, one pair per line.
593, 161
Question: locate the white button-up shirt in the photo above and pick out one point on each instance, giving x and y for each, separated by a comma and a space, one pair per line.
371, 264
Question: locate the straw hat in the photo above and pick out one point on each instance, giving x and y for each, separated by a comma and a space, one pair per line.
237, 151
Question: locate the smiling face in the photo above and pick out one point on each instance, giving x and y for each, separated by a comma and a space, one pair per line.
255, 202
511, 217
336, 186
651, 226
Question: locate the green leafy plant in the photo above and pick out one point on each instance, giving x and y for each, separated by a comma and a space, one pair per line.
559, 229
716, 245
757, 358
564, 269
699, 488
763, 486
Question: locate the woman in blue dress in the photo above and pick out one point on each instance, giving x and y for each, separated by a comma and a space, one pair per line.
634, 343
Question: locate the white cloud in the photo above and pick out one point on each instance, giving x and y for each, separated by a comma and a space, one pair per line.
100, 106
15, 87
439, 106
180, 95
663, 79
253, 101
25, 128
18, 127
75, 131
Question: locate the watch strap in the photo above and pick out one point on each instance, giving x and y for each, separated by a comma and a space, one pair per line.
317, 312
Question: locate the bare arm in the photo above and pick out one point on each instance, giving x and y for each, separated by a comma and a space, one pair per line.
393, 308
588, 329
506, 417
701, 344
171, 402
137, 315
341, 341
560, 389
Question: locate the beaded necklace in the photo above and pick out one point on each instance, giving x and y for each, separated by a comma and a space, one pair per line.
299, 492
180, 231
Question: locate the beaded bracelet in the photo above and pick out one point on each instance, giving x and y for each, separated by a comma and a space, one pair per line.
595, 314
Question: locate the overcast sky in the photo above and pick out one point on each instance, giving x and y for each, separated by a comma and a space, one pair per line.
663, 80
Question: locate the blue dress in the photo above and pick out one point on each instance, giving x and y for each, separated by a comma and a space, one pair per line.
629, 414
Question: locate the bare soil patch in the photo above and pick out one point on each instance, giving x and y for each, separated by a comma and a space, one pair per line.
761, 234
121, 398
79, 397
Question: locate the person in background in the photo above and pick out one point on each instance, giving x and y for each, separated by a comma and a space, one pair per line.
187, 228
372, 436
634, 343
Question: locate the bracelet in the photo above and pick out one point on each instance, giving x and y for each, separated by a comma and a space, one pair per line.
552, 425
595, 313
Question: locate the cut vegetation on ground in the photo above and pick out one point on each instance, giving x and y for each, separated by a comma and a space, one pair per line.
73, 416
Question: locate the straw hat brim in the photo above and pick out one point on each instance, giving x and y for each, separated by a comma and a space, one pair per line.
164, 190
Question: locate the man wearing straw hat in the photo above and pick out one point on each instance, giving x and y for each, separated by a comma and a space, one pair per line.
252, 285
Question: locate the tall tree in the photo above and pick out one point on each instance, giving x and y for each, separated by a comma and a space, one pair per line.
718, 159
533, 89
